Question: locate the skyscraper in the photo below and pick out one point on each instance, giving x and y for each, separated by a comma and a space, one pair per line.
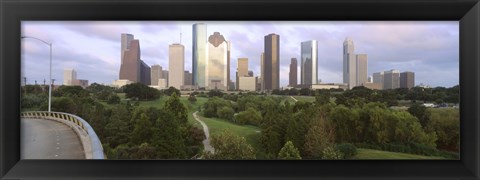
242, 69
229, 46
407, 79
262, 72
125, 44
349, 63
391, 79
69, 75
378, 77
217, 62
176, 65
362, 68
309, 64
199, 53
272, 62
145, 73
292, 82
130, 68
156, 73
187, 78
165, 76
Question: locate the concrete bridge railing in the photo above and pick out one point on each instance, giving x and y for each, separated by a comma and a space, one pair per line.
92, 146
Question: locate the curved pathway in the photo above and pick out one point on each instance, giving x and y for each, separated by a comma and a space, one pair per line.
48, 139
206, 142
294, 98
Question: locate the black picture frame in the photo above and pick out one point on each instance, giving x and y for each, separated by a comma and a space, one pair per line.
12, 12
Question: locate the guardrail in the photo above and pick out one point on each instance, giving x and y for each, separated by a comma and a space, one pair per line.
92, 146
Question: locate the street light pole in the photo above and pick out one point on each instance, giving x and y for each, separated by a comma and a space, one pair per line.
50, 84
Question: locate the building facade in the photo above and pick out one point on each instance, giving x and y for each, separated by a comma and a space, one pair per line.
309, 62
145, 73
188, 77
262, 72
292, 76
362, 68
217, 63
391, 79
156, 73
125, 44
199, 53
242, 69
271, 62
247, 83
407, 79
176, 63
68, 76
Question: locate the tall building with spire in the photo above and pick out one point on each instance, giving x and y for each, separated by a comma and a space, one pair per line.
309, 63
349, 63
199, 53
271, 62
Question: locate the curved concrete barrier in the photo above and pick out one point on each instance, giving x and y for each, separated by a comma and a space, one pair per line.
92, 146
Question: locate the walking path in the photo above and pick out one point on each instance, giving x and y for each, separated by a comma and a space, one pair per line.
206, 142
294, 98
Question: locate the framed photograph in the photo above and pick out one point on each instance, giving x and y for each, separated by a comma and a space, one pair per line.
245, 90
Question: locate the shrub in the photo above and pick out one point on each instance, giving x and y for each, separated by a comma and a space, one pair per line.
225, 113
348, 150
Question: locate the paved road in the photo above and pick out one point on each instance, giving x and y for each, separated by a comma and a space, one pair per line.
48, 139
206, 142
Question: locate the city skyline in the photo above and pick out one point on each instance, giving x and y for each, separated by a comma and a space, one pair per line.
431, 51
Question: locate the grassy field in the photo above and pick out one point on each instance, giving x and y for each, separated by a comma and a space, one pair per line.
377, 154
305, 98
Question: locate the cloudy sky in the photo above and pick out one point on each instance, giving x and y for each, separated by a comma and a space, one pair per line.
430, 49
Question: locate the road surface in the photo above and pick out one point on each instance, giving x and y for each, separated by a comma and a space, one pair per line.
48, 139
206, 142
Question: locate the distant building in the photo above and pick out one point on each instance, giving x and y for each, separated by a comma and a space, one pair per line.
217, 63
247, 83
349, 63
371, 85
80, 82
199, 54
262, 72
165, 76
323, 86
187, 78
378, 78
176, 65
68, 76
242, 69
250, 73
391, 79
132, 67
120, 83
370, 79
309, 62
162, 83
362, 68
292, 81
407, 79
271, 57
156, 74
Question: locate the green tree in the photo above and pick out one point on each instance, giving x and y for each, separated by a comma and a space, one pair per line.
168, 137
171, 90
289, 151
142, 132
250, 116
140, 91
192, 99
319, 136
229, 146
225, 112
113, 98
119, 127
177, 109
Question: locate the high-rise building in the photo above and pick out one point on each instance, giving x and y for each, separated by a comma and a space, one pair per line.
217, 62
391, 79
262, 72
292, 81
68, 76
199, 53
378, 77
156, 73
176, 63
247, 83
349, 63
125, 44
242, 69
165, 76
362, 68
187, 78
309, 63
272, 62
407, 79
229, 46
145, 73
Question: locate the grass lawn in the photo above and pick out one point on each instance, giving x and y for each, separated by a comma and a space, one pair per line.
305, 98
377, 154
